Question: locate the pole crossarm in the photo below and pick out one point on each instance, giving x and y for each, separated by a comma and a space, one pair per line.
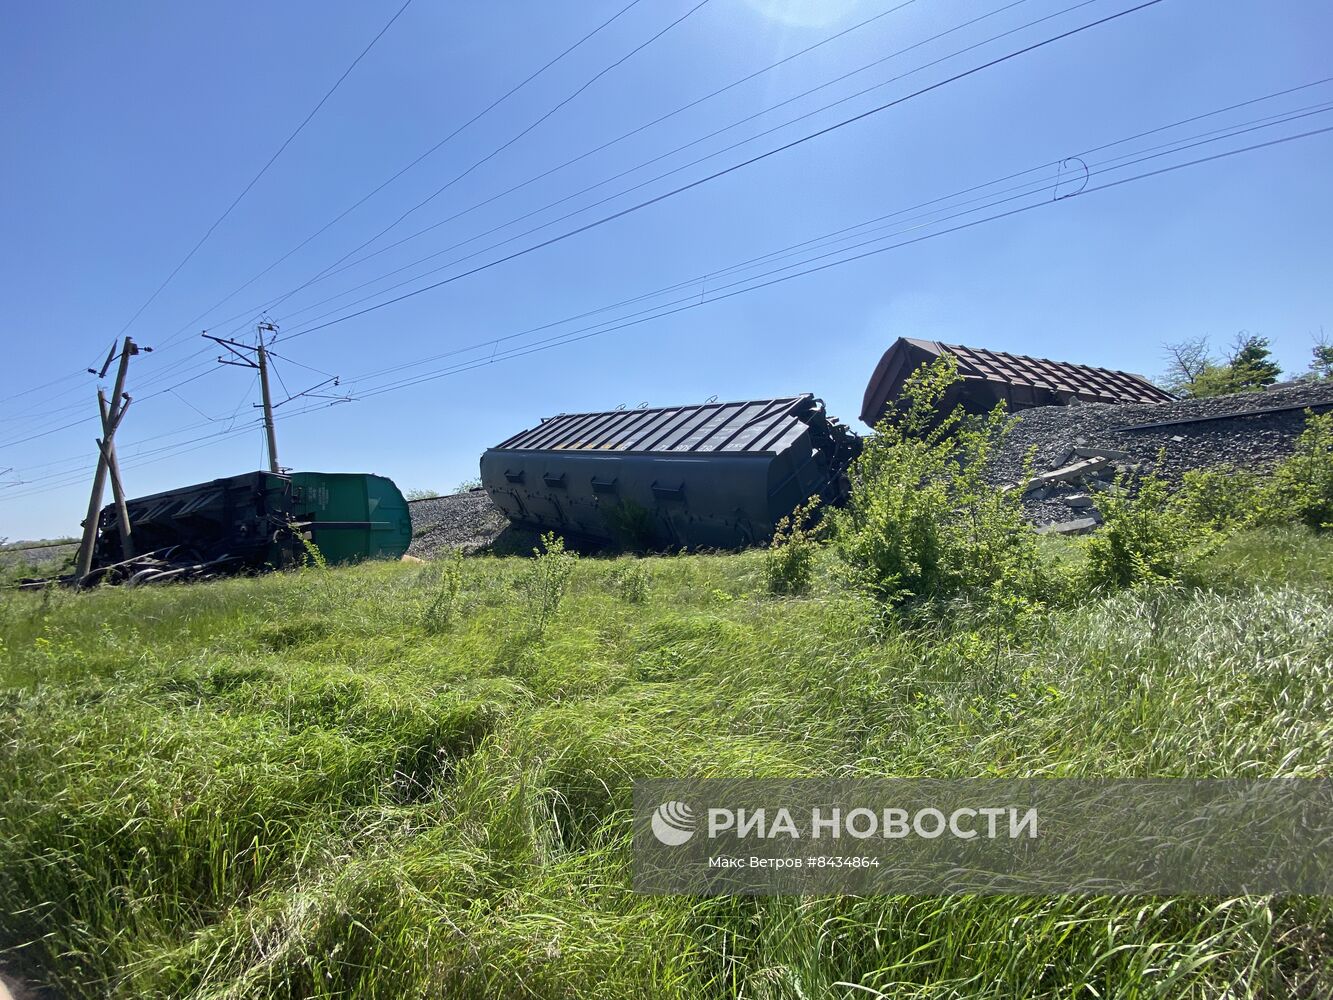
258, 356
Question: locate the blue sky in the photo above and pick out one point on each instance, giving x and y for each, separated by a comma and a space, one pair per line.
130, 127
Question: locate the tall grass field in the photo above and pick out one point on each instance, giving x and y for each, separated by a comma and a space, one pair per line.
398, 780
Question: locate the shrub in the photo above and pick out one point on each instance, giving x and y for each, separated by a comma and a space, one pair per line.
440, 613
1145, 537
312, 558
1301, 488
544, 581
789, 563
1217, 499
923, 522
631, 581
1154, 536
421, 494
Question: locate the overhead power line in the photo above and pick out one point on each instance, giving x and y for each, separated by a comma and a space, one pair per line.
809, 137
499, 149
437, 146
717, 273
859, 230
776, 276
175, 337
262, 170
642, 184
753, 284
336, 269
694, 302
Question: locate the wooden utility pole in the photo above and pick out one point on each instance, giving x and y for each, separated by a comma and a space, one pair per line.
108, 448
111, 413
261, 356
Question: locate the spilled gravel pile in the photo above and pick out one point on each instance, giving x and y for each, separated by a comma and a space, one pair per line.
1252, 442
467, 521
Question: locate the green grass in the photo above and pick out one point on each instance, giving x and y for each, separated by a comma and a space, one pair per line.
314, 785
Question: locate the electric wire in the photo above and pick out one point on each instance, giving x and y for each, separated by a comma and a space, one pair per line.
448, 138
733, 168
695, 303
344, 265
262, 171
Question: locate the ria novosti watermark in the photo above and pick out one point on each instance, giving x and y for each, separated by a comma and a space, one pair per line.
1165, 836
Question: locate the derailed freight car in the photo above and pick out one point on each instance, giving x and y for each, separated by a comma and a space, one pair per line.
714, 475
251, 522
987, 378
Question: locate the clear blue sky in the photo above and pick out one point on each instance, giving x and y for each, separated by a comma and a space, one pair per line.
130, 127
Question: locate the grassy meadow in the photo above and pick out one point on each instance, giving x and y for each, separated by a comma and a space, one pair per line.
399, 780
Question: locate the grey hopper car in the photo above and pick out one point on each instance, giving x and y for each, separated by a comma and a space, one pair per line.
715, 475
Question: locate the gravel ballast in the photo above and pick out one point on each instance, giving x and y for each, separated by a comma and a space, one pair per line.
467, 521
1254, 442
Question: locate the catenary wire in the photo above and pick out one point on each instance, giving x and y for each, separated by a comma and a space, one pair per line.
438, 145
733, 168
523, 351
340, 266
262, 171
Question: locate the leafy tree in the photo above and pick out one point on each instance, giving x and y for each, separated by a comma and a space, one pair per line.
1193, 371
1252, 361
1321, 363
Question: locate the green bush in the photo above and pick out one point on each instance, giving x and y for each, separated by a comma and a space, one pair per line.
544, 581
1145, 538
1152, 535
631, 581
1301, 488
442, 610
789, 563
1222, 498
923, 521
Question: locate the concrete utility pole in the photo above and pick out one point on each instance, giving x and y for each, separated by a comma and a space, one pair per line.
241, 358
261, 361
111, 415
261, 356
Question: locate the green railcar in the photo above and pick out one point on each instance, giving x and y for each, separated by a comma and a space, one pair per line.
253, 522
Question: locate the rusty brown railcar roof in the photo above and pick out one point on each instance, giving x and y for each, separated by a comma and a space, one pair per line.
1017, 378
1060, 376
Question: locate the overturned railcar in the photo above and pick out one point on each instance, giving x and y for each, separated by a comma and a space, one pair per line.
715, 475
251, 522
991, 377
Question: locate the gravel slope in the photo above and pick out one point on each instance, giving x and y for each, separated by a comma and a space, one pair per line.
1255, 442
462, 520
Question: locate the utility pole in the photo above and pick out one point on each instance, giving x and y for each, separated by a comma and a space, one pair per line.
111, 413
108, 449
261, 355
261, 363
